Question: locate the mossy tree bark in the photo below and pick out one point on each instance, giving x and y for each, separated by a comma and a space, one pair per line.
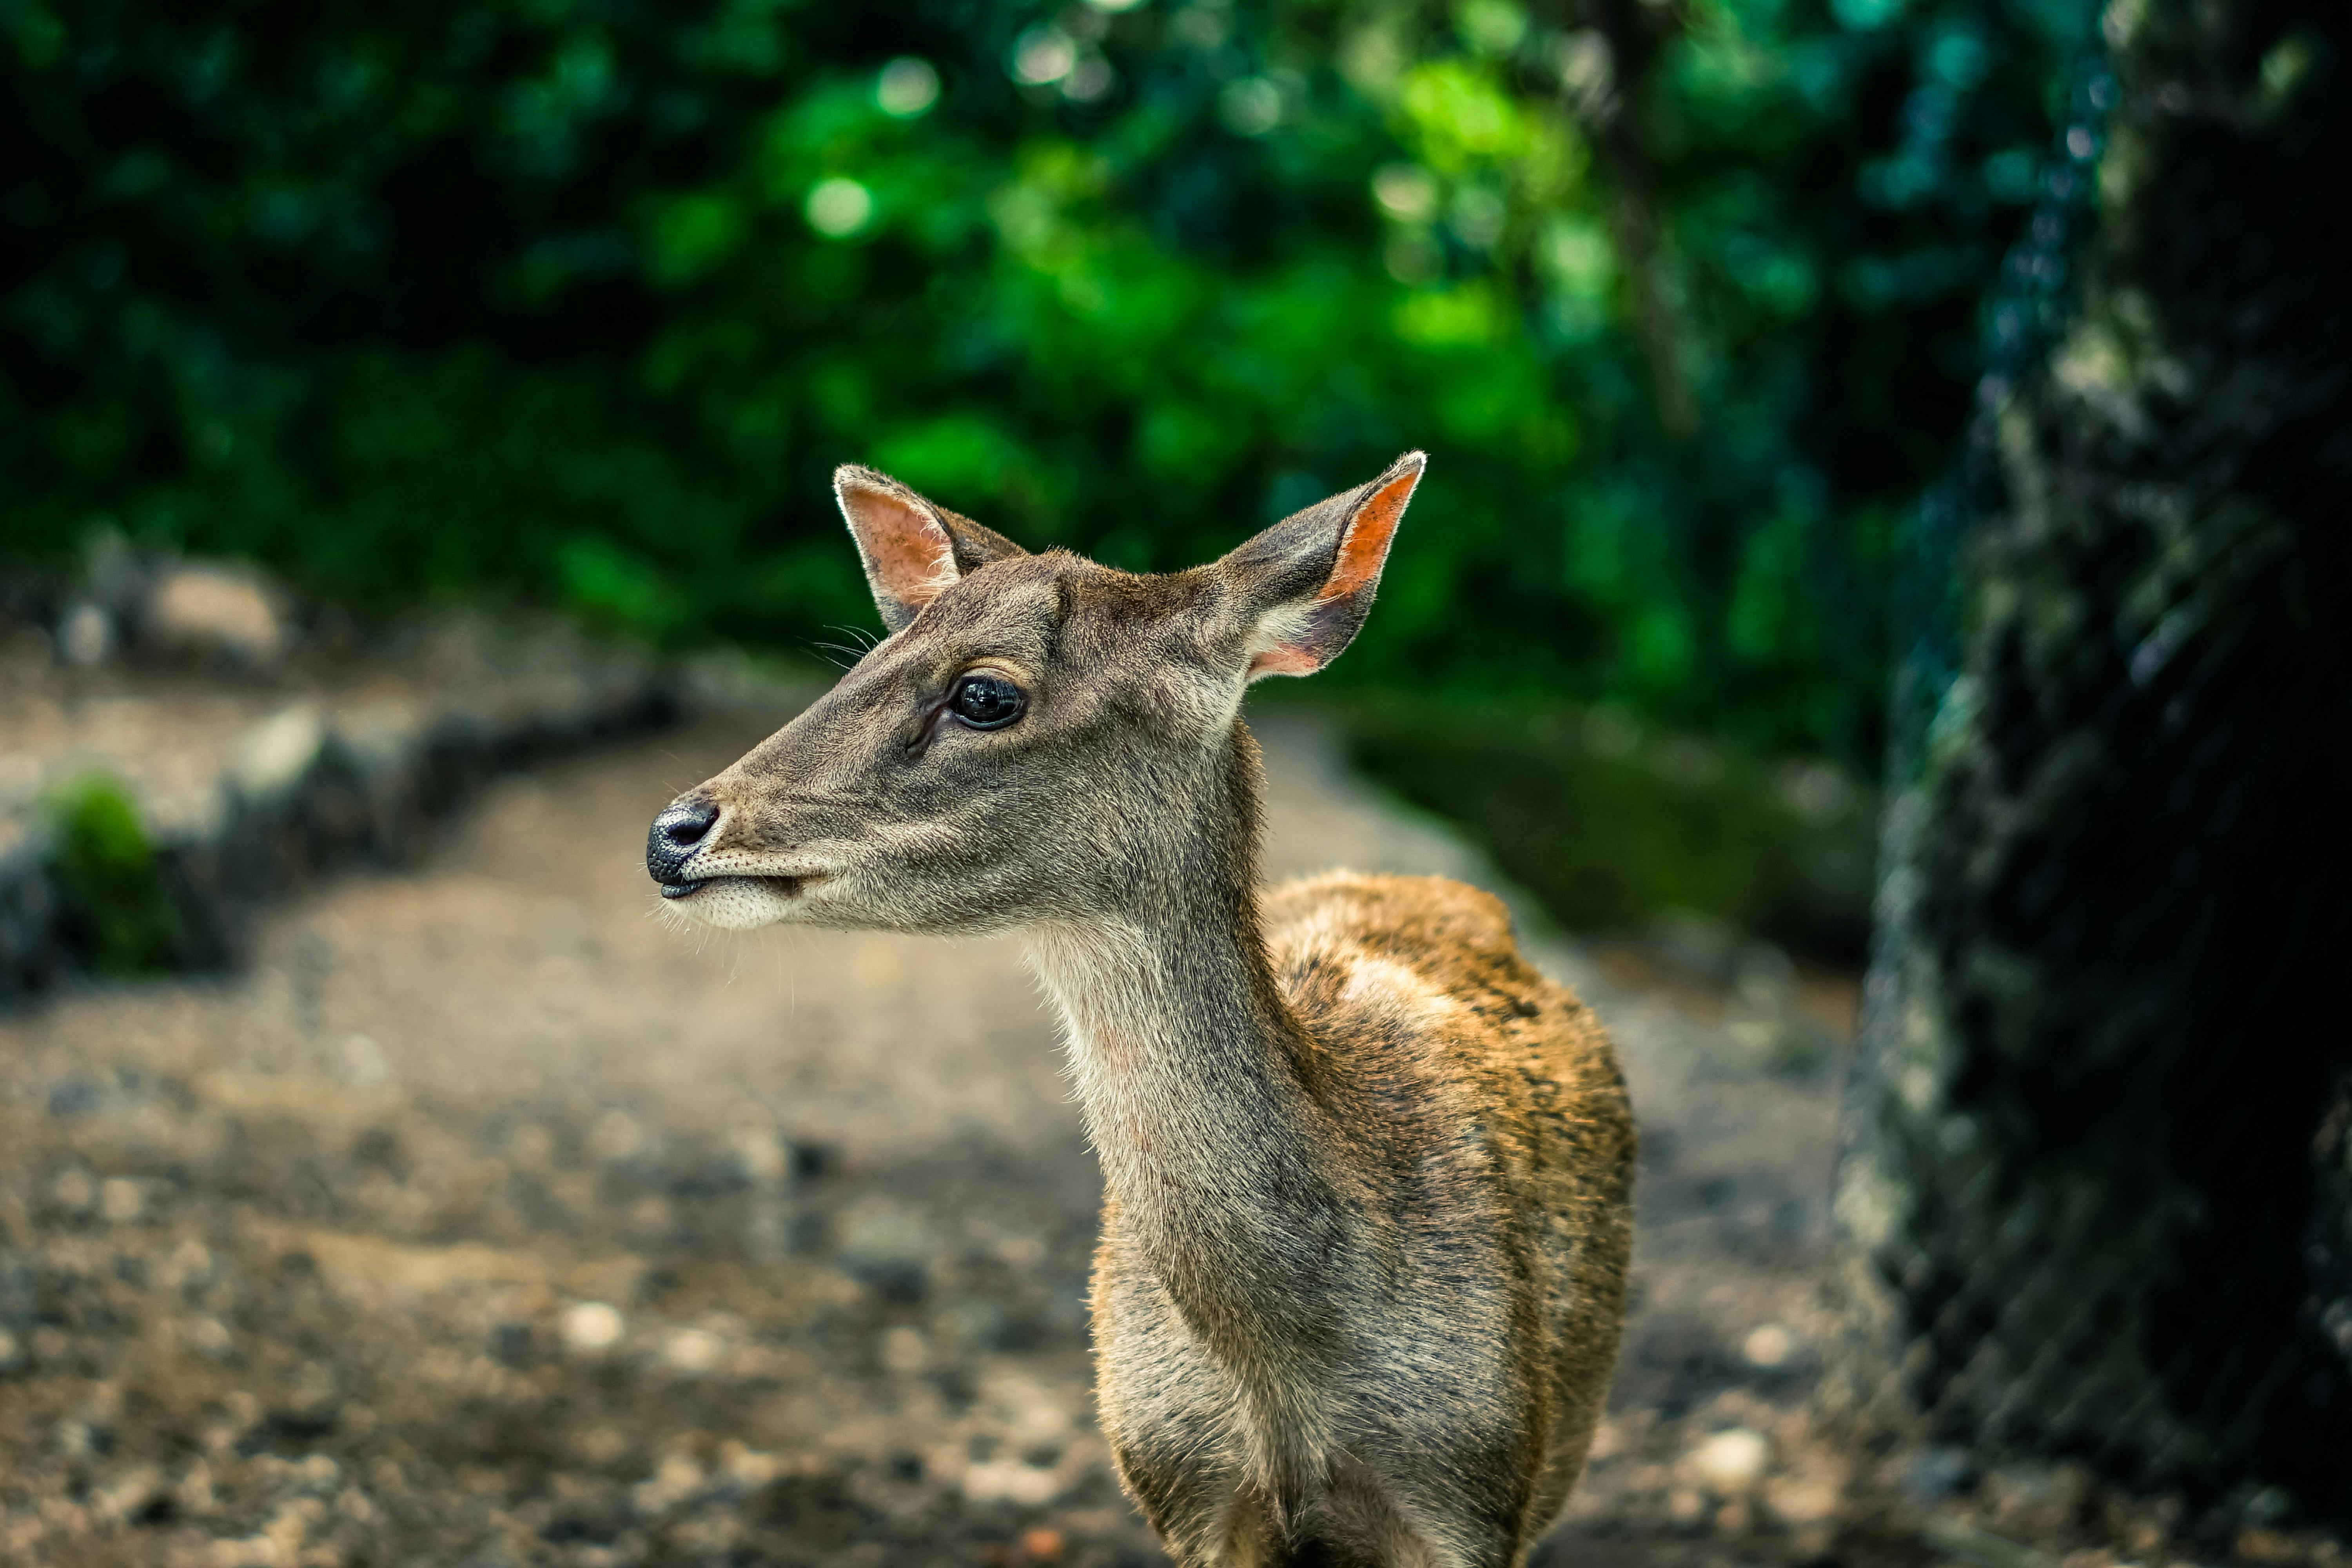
2096, 1191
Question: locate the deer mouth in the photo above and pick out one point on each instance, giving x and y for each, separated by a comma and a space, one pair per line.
782, 887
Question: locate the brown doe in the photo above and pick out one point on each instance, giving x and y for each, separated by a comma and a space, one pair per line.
1362, 1268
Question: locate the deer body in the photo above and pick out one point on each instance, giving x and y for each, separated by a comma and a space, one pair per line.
1367, 1173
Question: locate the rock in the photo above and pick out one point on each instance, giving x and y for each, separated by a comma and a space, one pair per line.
890, 1251
73, 1191
272, 756
617, 1136
693, 1352
214, 611
592, 1327
132, 1494
1798, 1503
1009, 1481
763, 1158
1935, 1474
1978, 1547
363, 1062
120, 1201
905, 1351
510, 1344
86, 636
1732, 1461
1768, 1346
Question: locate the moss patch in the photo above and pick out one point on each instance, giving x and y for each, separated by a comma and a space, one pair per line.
117, 905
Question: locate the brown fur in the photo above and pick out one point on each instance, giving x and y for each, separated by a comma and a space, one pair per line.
1367, 1215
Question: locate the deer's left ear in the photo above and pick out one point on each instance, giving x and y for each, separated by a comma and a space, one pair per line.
1307, 582
911, 549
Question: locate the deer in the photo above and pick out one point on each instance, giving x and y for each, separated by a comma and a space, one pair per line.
1368, 1173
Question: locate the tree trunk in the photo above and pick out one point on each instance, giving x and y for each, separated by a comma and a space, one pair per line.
2095, 1195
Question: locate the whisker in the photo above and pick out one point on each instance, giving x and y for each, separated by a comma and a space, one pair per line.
825, 650
865, 639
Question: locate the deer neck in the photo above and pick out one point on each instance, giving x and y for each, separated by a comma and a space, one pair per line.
1193, 1075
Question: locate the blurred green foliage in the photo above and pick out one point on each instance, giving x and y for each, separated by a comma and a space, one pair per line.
1616, 826
580, 300
111, 880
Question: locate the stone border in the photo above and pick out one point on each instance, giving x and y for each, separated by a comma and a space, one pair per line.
311, 787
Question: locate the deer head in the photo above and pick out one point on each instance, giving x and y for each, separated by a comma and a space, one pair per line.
1039, 738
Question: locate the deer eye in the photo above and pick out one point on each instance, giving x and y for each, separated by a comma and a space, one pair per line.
986, 702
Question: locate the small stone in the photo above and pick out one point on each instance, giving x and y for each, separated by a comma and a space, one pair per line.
616, 1136
194, 1494
273, 755
590, 1328
976, 1322
1813, 1542
1935, 1474
693, 1352
510, 1344
1768, 1346
748, 1467
209, 1337
888, 1249
11, 1353
131, 1494
905, 1351
1799, 1503
363, 1062
1008, 1480
2256, 1544
762, 1157
600, 1445
86, 636
74, 1192
675, 1479
120, 1201
1732, 1461
1042, 1545
208, 610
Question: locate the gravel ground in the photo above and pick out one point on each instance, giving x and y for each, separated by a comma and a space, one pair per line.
487, 1219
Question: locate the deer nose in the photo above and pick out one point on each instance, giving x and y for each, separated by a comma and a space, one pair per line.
677, 834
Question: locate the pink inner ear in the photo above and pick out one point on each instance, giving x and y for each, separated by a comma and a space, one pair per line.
1366, 543
1284, 658
909, 553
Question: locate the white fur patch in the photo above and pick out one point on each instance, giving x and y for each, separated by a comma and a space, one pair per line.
1391, 988
735, 903
1273, 645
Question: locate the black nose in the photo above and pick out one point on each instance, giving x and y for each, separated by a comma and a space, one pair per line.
677, 834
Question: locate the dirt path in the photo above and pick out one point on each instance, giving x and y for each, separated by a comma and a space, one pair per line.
488, 1220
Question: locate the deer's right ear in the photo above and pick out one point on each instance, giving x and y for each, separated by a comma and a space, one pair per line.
912, 550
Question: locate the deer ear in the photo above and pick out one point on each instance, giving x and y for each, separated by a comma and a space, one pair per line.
912, 550
1307, 582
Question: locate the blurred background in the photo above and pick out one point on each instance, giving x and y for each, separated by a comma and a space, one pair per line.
578, 306
1875, 608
